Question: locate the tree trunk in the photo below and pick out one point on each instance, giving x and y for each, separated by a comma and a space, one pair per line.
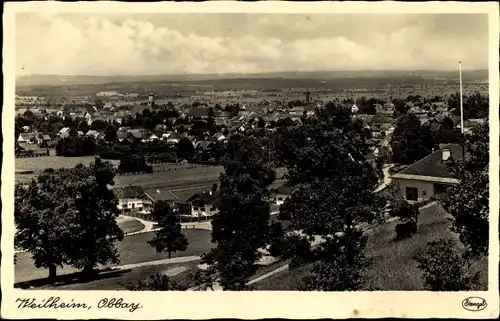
52, 274
169, 255
88, 271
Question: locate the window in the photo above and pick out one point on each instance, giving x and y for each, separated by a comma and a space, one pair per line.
439, 188
280, 198
195, 208
412, 194
133, 205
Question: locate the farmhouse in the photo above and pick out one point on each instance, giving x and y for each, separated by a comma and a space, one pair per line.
429, 176
203, 204
133, 199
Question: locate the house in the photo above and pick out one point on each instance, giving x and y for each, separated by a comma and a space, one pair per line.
201, 112
93, 133
64, 132
133, 199
203, 204
282, 193
173, 138
469, 124
139, 133
429, 176
221, 117
384, 147
44, 140
160, 129
219, 137
27, 138
386, 128
203, 145
153, 137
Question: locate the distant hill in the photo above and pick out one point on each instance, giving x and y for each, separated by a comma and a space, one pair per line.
59, 80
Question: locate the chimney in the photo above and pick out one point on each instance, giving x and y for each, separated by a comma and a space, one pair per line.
446, 154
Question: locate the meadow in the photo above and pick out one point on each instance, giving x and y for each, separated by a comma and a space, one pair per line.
393, 268
38, 164
133, 249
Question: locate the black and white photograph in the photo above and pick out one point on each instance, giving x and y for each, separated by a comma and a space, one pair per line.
319, 152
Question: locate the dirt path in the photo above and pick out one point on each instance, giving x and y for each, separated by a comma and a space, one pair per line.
182, 259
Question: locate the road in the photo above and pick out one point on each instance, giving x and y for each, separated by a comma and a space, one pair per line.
387, 179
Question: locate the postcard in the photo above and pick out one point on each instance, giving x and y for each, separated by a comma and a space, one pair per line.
220, 159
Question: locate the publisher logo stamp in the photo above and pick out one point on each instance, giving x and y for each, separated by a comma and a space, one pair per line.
474, 304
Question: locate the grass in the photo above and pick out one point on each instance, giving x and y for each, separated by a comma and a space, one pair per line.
41, 163
133, 249
393, 265
179, 175
130, 226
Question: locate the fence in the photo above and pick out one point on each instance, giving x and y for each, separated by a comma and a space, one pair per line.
168, 169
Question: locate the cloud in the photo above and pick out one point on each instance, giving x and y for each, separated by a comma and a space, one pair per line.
234, 43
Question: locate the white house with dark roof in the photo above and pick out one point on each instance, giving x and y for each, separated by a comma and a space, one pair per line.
282, 193
429, 176
133, 199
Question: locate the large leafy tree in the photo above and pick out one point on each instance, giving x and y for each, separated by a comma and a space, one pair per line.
325, 156
42, 215
185, 149
169, 237
94, 228
446, 264
468, 202
411, 141
241, 226
68, 216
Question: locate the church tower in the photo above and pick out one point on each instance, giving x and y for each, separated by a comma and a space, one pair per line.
151, 100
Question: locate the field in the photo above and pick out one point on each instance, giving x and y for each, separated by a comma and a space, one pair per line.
129, 225
394, 268
37, 164
168, 178
133, 249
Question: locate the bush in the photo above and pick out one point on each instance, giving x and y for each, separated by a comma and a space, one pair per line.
445, 267
405, 230
134, 164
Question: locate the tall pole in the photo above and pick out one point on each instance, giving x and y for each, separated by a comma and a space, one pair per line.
461, 110
461, 99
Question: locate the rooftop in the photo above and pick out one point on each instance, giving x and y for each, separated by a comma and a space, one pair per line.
433, 165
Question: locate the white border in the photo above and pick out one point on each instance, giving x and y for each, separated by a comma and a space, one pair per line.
249, 305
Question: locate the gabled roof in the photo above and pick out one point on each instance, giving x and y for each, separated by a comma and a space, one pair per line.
198, 112
385, 126
286, 190
432, 167
205, 197
129, 192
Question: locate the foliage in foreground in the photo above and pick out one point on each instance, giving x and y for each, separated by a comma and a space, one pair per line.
325, 158
156, 282
169, 237
68, 217
445, 268
241, 226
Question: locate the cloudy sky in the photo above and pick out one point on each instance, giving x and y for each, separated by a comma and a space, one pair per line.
78, 44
